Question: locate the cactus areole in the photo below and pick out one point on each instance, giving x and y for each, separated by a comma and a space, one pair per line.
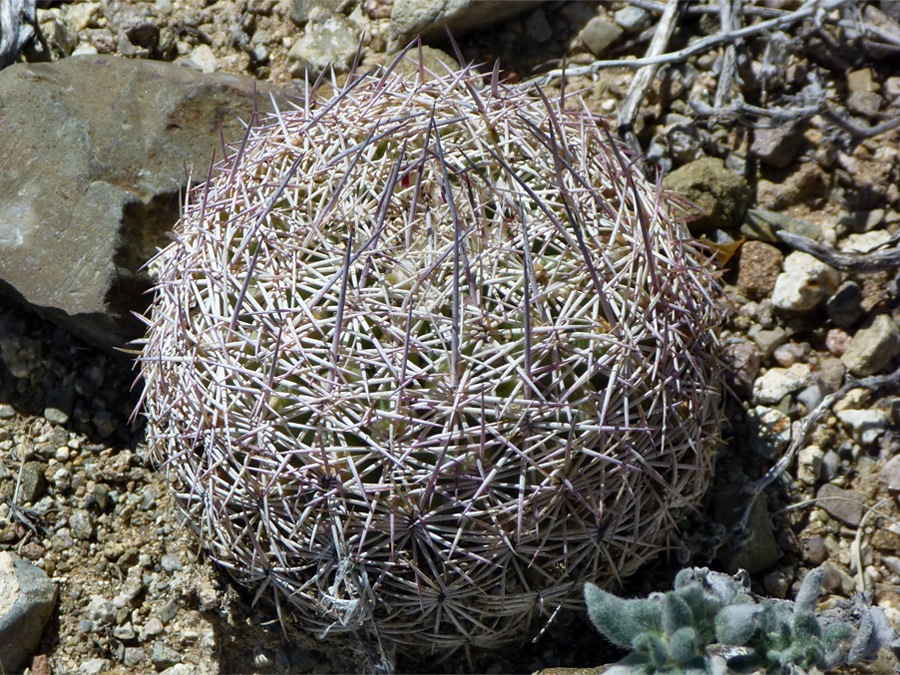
428, 352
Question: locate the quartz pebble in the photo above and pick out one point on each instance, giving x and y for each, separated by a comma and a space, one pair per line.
31, 483
133, 656
769, 340
632, 19
328, 43
777, 383
805, 283
809, 464
100, 611
811, 396
774, 432
837, 341
865, 241
890, 473
599, 35
94, 666
790, 353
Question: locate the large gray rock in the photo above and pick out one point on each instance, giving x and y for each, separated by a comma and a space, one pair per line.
93, 153
27, 597
428, 17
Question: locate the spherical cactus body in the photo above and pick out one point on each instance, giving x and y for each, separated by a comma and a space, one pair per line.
428, 352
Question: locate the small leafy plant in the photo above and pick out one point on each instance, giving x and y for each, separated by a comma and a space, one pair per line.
712, 623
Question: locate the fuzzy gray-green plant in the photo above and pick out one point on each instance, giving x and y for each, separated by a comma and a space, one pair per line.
708, 614
426, 352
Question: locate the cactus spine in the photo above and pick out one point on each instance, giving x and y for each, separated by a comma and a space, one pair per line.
425, 353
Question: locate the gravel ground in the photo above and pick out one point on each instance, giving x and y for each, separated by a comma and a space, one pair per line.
78, 493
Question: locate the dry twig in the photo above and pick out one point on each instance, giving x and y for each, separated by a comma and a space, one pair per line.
17, 21
644, 77
839, 260
809, 9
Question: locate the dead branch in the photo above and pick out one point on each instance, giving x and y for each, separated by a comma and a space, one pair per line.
695, 8
728, 20
859, 132
839, 260
644, 77
741, 109
778, 116
809, 9
17, 21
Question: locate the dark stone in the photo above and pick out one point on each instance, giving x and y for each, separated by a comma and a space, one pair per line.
758, 548
32, 483
721, 195
93, 153
144, 34
163, 657
845, 505
779, 145
845, 306
27, 598
433, 18
815, 551
744, 359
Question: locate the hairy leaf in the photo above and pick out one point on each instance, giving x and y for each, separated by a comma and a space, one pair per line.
736, 624
607, 612
683, 645
675, 613
808, 595
654, 647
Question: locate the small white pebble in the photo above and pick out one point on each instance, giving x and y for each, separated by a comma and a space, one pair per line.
62, 453
809, 464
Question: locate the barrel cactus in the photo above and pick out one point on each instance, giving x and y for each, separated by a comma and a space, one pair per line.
426, 352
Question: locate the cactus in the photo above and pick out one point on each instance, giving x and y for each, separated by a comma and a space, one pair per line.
426, 353
707, 614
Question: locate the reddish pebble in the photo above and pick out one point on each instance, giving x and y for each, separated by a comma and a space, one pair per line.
32, 550
153, 627
758, 265
40, 665
790, 353
837, 341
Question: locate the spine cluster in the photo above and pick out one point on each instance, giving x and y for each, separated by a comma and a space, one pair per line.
426, 352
